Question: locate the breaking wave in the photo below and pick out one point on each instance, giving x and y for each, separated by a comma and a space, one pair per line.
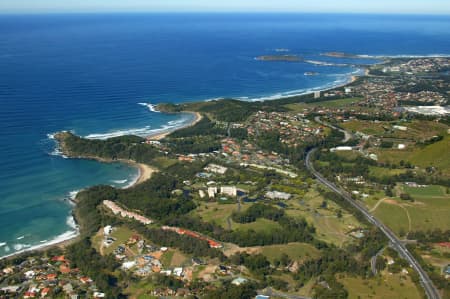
21, 247
150, 107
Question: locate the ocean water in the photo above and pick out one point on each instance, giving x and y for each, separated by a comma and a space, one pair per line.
96, 75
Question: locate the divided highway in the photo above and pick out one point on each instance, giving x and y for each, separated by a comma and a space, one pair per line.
430, 290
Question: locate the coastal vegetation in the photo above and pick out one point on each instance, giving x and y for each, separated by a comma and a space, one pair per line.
232, 199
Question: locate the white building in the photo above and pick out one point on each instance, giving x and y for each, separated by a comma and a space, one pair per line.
216, 168
278, 195
317, 94
107, 230
212, 191
128, 265
178, 272
239, 281
341, 148
400, 128
228, 190
373, 157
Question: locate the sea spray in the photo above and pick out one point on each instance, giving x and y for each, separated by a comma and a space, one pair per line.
150, 107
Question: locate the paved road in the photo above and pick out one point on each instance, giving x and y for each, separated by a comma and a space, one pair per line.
348, 135
373, 261
427, 284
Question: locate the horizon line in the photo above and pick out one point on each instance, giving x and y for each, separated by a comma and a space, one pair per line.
83, 12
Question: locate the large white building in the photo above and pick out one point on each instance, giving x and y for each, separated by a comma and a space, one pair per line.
216, 168
212, 191
278, 195
228, 190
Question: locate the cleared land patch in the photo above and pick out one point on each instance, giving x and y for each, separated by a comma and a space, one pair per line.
395, 286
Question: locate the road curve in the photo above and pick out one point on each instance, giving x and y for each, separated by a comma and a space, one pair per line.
430, 290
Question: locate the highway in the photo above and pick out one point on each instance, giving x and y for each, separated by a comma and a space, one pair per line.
430, 290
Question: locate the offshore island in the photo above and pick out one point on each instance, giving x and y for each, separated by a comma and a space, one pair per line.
321, 195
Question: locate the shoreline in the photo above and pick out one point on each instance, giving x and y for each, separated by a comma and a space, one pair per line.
62, 241
145, 171
163, 134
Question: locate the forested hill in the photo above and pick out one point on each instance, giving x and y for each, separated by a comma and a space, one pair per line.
118, 148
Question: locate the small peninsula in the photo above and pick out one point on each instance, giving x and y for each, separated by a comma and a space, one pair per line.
290, 196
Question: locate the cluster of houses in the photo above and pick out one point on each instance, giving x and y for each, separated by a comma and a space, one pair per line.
46, 278
389, 92
247, 154
181, 231
147, 258
126, 214
294, 129
422, 65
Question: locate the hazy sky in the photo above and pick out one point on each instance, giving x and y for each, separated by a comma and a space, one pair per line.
364, 6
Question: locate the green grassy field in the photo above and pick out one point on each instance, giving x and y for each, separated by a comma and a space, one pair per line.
166, 258
393, 216
429, 214
260, 225
429, 210
366, 127
435, 155
329, 227
138, 290
163, 162
216, 213
388, 286
380, 172
121, 234
427, 192
417, 130
296, 251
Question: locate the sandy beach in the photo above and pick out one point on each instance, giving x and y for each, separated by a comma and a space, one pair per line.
145, 173
162, 135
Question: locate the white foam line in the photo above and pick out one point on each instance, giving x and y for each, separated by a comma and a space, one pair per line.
56, 151
134, 179
150, 107
2, 244
73, 194
119, 181
58, 239
407, 56
143, 132
346, 78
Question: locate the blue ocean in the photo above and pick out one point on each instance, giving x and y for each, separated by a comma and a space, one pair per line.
96, 74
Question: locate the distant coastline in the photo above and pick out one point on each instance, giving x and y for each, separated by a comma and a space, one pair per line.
145, 172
